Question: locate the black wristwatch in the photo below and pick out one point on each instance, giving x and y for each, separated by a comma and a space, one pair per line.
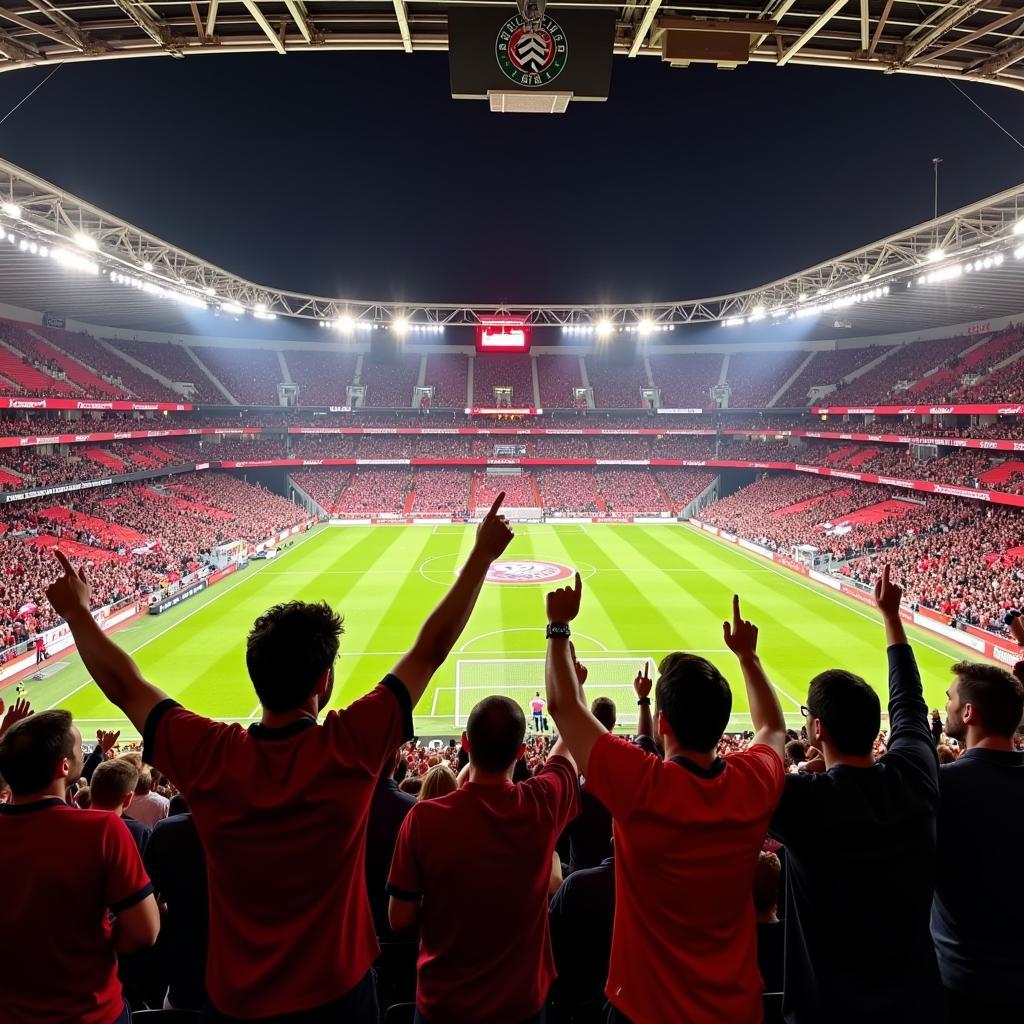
644, 702
558, 629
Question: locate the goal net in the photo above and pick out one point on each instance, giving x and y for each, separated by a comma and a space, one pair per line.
521, 678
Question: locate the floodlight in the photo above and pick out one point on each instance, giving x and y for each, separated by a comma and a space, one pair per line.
400, 325
344, 323
934, 255
84, 241
1018, 228
646, 326
146, 265
604, 327
12, 210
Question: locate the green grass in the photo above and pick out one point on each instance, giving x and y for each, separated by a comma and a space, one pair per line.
648, 590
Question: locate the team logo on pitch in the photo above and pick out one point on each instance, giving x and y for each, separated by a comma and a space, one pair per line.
531, 55
528, 572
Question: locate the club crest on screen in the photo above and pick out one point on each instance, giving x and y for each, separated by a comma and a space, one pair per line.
531, 55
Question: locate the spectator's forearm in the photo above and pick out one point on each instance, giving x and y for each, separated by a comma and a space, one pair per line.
560, 683
894, 631
765, 709
645, 722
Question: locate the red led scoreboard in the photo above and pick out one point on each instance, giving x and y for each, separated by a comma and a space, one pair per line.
502, 334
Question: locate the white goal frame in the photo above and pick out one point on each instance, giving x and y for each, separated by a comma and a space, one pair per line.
623, 691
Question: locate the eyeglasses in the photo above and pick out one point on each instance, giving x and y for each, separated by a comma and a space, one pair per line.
806, 711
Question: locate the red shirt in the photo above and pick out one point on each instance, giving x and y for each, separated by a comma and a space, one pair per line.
282, 814
480, 858
687, 839
63, 869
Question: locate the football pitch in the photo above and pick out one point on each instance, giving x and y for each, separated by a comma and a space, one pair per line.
648, 590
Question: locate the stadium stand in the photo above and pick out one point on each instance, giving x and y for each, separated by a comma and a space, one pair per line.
449, 377
323, 376
826, 368
616, 387
372, 492
503, 371
556, 377
755, 377
521, 490
324, 486
389, 385
569, 492
630, 492
440, 492
686, 380
172, 362
250, 375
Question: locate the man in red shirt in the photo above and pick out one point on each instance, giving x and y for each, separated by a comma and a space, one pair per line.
482, 901
67, 869
281, 808
687, 829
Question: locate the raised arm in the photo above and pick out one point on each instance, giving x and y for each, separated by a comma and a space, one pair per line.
765, 710
115, 673
446, 622
908, 713
642, 687
577, 726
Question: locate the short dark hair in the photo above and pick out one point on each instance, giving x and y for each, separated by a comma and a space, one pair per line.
848, 708
495, 730
796, 751
603, 709
695, 698
178, 805
996, 693
31, 749
112, 782
289, 648
766, 882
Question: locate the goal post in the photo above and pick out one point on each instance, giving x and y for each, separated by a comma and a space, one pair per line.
521, 678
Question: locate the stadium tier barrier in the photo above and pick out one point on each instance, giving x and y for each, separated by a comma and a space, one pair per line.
977, 640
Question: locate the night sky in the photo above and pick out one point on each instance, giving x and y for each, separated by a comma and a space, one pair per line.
357, 174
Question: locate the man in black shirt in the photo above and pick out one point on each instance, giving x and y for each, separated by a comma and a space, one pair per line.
388, 809
176, 864
860, 850
590, 833
978, 938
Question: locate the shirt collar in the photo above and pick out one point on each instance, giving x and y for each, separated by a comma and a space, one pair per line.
984, 754
265, 732
712, 771
36, 805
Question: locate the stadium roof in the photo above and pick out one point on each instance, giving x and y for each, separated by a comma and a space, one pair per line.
62, 255
970, 40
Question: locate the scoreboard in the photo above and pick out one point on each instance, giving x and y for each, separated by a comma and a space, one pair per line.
502, 334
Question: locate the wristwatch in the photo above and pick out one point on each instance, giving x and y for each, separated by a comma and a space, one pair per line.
644, 702
558, 629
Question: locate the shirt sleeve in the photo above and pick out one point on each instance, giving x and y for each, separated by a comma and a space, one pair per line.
909, 733
185, 746
794, 814
372, 728
559, 783
405, 880
767, 770
621, 775
125, 880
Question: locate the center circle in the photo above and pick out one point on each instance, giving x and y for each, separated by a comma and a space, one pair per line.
521, 571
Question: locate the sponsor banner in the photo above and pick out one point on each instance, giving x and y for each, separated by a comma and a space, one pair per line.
492, 49
339, 408
756, 548
91, 406
517, 431
159, 607
919, 410
829, 581
218, 574
683, 412
120, 435
950, 632
949, 442
664, 520
348, 522
53, 320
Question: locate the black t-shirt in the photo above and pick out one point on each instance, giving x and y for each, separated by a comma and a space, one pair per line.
140, 833
580, 918
176, 864
860, 865
388, 809
590, 833
978, 938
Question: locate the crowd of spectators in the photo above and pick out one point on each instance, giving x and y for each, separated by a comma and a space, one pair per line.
172, 362
323, 375
389, 385
557, 376
448, 375
440, 492
630, 492
686, 379
500, 371
616, 387
375, 491
825, 368
755, 377
250, 375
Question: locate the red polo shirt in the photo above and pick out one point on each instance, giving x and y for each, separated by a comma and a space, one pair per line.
282, 814
480, 859
63, 870
687, 839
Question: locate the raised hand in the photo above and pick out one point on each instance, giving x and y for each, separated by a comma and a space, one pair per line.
642, 684
888, 595
581, 669
563, 604
106, 740
18, 710
493, 534
740, 635
68, 593
1017, 628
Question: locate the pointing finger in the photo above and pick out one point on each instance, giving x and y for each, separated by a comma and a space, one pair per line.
64, 563
497, 504
579, 583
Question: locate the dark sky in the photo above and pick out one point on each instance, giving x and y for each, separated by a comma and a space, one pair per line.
357, 174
